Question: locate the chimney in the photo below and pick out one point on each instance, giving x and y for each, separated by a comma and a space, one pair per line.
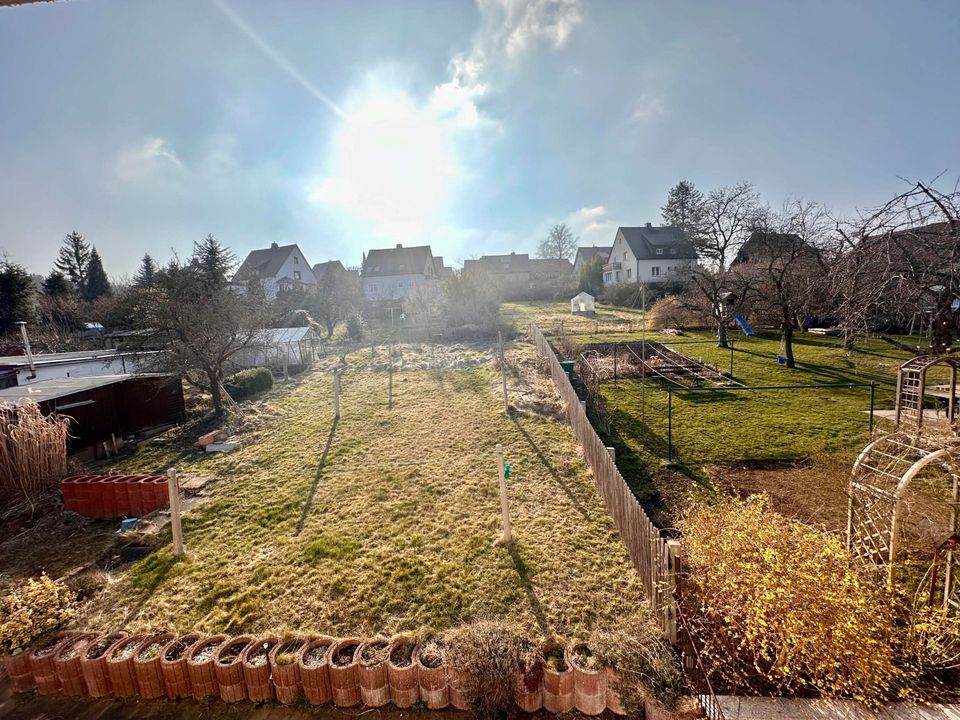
649, 225
399, 245
273, 246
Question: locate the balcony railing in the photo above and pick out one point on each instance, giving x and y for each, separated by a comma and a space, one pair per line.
611, 266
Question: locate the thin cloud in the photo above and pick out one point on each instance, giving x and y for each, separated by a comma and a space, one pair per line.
646, 107
279, 60
592, 212
153, 154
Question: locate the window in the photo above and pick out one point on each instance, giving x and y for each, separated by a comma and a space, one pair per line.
624, 254
400, 284
296, 274
654, 271
659, 251
296, 260
628, 273
618, 276
673, 251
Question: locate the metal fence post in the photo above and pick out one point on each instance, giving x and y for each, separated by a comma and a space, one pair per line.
731, 358
669, 425
873, 392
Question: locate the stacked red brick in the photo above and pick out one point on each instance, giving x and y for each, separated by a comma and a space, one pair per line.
114, 496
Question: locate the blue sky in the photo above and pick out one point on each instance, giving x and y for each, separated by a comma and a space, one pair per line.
472, 126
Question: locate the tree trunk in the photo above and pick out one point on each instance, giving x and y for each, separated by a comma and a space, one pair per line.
721, 334
788, 344
941, 337
215, 394
849, 338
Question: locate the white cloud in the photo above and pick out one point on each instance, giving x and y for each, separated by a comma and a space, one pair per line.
153, 155
592, 212
647, 106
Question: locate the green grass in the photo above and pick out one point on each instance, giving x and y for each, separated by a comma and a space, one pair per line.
393, 528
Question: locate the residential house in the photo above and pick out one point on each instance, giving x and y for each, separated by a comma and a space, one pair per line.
769, 245
550, 270
277, 268
391, 274
648, 254
443, 272
508, 271
586, 254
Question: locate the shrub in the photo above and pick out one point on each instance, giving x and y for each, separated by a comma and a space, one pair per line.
29, 612
248, 383
355, 327
489, 652
779, 606
672, 312
643, 660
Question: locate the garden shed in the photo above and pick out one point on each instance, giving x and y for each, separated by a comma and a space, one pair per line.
583, 303
277, 348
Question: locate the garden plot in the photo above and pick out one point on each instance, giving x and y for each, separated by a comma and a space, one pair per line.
384, 521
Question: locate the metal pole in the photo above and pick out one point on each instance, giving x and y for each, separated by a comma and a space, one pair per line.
390, 378
173, 489
504, 507
731, 358
336, 394
873, 392
503, 374
669, 425
615, 363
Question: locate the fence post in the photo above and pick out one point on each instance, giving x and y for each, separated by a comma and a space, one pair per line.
873, 392
669, 425
612, 452
504, 506
615, 363
173, 490
390, 377
731, 358
503, 374
673, 589
336, 394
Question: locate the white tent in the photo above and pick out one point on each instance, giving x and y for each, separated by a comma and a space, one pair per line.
582, 304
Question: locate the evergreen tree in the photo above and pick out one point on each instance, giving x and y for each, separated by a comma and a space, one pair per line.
147, 274
591, 276
212, 261
97, 284
73, 259
684, 208
57, 285
16, 295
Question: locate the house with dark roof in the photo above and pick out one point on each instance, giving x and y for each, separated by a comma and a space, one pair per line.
648, 254
550, 269
276, 268
390, 274
511, 270
586, 255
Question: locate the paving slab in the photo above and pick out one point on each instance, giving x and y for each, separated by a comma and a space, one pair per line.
752, 708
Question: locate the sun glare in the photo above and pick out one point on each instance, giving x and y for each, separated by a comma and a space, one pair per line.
392, 164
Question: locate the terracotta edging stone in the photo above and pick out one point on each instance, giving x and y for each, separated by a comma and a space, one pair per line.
123, 679
228, 668
286, 677
146, 665
614, 703
66, 664
200, 666
256, 669
434, 688
93, 664
589, 684
557, 684
372, 673
173, 666
314, 665
529, 685
19, 672
345, 678
404, 688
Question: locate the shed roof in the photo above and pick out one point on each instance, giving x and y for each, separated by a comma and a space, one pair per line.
272, 336
64, 358
63, 387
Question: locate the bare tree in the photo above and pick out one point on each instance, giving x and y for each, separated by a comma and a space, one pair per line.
899, 262
786, 266
728, 217
560, 244
334, 298
200, 324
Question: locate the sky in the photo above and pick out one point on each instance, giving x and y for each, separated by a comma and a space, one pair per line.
469, 126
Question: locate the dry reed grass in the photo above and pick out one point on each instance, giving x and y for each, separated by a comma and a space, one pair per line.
33, 452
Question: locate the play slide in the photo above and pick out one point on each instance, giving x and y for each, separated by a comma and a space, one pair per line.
743, 325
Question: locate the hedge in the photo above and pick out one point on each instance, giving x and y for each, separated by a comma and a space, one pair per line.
248, 383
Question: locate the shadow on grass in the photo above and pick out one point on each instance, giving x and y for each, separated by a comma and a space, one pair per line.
147, 576
552, 470
308, 503
535, 607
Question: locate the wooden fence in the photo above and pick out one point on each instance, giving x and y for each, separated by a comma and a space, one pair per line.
655, 557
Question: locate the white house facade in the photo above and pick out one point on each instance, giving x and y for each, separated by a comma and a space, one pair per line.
391, 274
279, 267
648, 254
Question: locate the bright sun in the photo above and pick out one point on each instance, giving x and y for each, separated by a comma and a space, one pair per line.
392, 165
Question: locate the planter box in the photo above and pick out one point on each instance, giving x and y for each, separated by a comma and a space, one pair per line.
434, 687
589, 684
374, 678
256, 669
42, 667
200, 667
93, 665
146, 665
228, 668
173, 666
404, 687
123, 679
19, 672
286, 677
66, 664
314, 663
345, 679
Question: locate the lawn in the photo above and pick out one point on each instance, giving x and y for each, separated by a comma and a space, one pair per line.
384, 521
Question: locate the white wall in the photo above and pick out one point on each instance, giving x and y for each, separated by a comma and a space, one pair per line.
295, 262
390, 287
115, 365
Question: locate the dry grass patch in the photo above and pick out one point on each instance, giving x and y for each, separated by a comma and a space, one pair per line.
391, 528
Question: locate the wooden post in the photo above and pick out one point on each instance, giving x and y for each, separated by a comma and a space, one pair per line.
673, 590
390, 377
503, 374
286, 373
612, 452
504, 506
173, 489
336, 394
615, 364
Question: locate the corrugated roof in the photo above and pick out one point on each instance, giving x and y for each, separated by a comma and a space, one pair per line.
398, 261
63, 387
67, 357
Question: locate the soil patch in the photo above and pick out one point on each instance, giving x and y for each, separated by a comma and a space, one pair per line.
314, 656
344, 656
432, 653
402, 654
374, 653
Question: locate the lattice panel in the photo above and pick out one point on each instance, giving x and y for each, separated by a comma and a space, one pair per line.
871, 517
